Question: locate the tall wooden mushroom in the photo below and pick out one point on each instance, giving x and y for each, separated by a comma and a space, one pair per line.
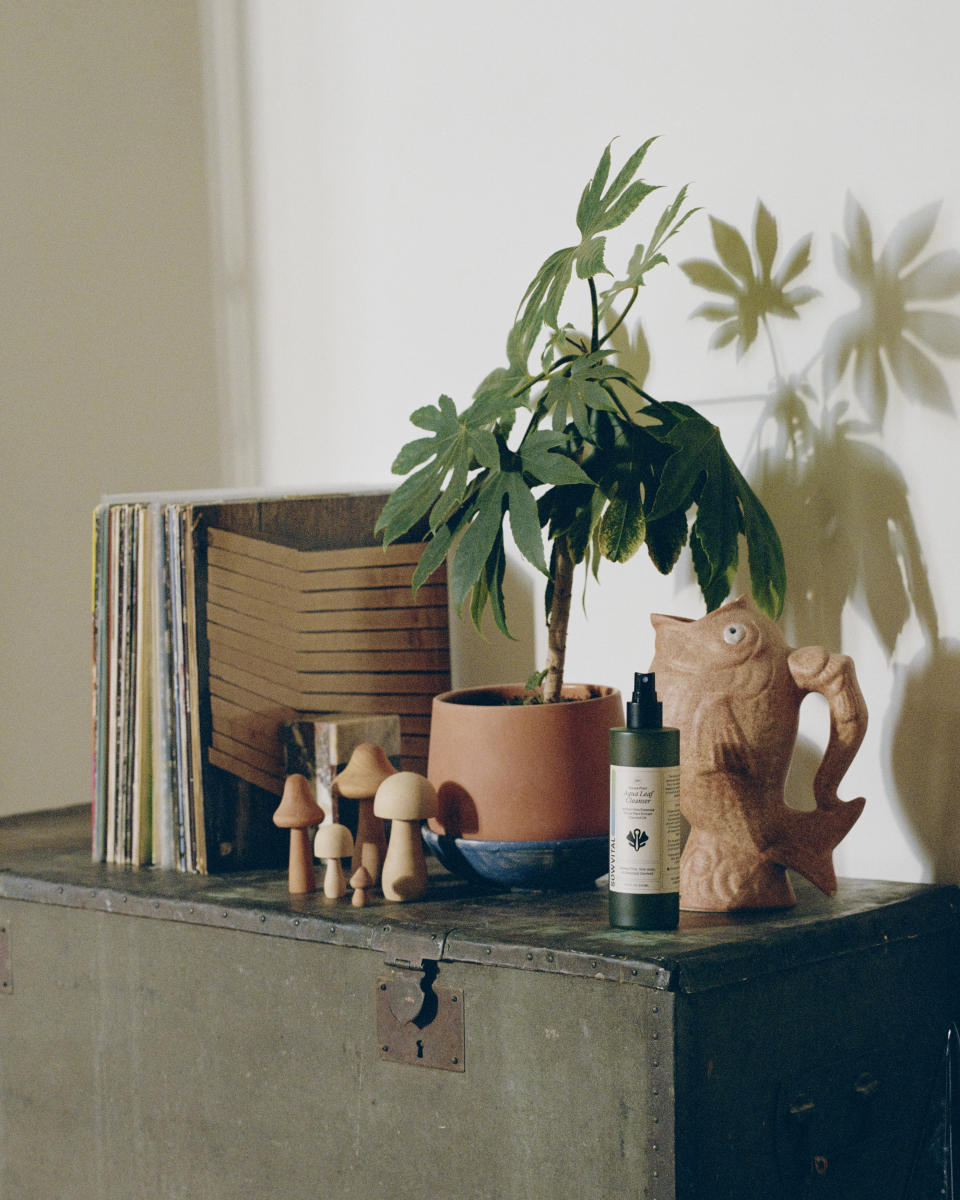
333, 842
405, 799
298, 811
367, 769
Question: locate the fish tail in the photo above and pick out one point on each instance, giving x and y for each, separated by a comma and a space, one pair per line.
808, 840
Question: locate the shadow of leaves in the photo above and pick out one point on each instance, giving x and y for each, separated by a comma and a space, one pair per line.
922, 731
842, 509
894, 330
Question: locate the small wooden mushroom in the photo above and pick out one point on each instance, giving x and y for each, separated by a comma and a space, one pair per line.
298, 811
367, 769
405, 799
361, 883
333, 842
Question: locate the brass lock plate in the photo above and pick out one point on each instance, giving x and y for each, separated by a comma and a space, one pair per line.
437, 1042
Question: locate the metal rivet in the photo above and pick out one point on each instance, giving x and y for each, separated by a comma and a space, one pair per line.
453, 999
655, 1035
383, 987
385, 1049
263, 917
549, 958
529, 957
296, 920
656, 1008
454, 1060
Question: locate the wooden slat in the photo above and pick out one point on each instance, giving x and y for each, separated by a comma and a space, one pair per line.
424, 616
347, 599
382, 575
312, 560
236, 766
256, 729
387, 700
363, 639
304, 684
270, 764
327, 660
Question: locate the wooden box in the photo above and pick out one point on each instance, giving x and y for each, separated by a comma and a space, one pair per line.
164, 1035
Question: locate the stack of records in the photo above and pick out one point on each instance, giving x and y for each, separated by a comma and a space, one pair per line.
217, 620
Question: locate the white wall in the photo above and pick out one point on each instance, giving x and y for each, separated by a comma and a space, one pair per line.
107, 338
413, 165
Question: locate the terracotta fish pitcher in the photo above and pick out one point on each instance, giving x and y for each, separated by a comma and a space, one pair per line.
733, 687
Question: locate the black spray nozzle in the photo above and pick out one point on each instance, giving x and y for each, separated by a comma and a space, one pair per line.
644, 711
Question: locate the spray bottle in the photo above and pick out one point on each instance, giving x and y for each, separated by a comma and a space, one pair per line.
646, 829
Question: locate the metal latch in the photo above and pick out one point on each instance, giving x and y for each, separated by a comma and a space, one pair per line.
418, 1023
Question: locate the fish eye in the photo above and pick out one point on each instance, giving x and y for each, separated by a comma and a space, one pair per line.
734, 633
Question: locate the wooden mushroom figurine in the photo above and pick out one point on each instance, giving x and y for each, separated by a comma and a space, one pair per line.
299, 811
405, 799
367, 769
333, 842
361, 883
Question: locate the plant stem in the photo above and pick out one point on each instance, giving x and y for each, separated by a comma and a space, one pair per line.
563, 567
594, 317
620, 320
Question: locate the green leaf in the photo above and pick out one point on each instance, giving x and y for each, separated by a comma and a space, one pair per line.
432, 557
620, 210
628, 170
543, 457
590, 258
768, 572
477, 543
524, 520
410, 502
714, 585
666, 539
590, 200
696, 446
622, 529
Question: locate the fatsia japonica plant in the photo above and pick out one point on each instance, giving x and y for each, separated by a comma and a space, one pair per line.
573, 451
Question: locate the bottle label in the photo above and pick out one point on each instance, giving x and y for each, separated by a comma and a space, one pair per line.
646, 830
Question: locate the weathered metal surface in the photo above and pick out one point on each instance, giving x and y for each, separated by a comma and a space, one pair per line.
558, 933
6, 962
226, 1042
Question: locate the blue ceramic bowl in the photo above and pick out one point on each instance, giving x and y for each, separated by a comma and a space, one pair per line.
527, 866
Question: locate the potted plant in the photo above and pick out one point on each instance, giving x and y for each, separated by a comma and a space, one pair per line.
564, 444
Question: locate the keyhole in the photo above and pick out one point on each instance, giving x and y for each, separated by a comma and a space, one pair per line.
419, 1047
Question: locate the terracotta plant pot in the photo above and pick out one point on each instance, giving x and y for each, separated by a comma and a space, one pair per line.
522, 772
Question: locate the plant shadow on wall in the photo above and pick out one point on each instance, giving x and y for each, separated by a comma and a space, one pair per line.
839, 502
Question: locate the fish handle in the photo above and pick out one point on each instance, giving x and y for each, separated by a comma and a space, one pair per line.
832, 676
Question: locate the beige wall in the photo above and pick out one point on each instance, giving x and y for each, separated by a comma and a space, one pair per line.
107, 341
413, 166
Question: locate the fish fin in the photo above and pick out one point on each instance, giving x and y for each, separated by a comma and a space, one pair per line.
716, 728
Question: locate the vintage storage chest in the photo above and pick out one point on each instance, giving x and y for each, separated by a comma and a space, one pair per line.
180, 1036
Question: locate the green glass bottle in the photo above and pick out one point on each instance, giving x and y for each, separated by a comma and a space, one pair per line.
646, 829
